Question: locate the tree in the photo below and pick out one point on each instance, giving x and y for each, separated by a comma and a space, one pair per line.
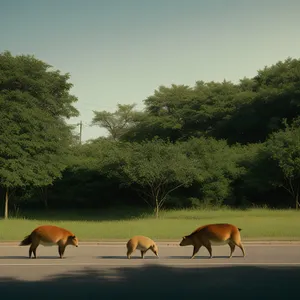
156, 169
162, 116
262, 103
240, 113
117, 123
216, 165
283, 148
35, 139
179, 112
257, 174
153, 169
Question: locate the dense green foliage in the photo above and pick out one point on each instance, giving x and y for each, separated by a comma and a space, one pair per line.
211, 144
35, 139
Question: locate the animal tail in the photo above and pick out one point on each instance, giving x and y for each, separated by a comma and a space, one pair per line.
27, 241
239, 229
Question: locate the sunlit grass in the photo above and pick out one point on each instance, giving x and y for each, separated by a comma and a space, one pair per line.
262, 224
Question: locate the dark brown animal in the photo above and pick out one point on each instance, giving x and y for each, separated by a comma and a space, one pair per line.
49, 235
141, 243
214, 234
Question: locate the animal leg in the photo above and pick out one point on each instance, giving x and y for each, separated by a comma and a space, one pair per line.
207, 245
32, 249
242, 248
236, 239
61, 250
143, 253
156, 254
232, 247
195, 251
129, 252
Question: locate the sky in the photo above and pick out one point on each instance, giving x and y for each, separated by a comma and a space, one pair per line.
121, 51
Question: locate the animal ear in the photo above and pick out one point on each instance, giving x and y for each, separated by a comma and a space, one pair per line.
72, 237
183, 238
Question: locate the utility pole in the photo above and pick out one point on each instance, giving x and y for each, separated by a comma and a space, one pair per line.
80, 132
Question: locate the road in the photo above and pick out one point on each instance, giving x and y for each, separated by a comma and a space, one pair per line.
94, 270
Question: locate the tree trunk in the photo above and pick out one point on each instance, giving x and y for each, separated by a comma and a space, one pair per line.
156, 212
6, 205
156, 208
297, 201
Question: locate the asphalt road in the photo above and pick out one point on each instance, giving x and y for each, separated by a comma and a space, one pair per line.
103, 270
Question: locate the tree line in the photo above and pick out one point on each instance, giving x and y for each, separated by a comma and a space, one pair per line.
212, 144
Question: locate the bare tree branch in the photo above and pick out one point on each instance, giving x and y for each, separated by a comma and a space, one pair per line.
162, 201
140, 193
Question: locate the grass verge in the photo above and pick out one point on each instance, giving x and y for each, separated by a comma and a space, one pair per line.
256, 224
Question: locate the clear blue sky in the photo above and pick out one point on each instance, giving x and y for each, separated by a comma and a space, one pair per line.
120, 51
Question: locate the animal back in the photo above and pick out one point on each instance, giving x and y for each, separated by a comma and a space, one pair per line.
217, 234
50, 234
142, 242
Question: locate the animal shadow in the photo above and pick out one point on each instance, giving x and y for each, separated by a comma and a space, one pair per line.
27, 257
125, 257
203, 257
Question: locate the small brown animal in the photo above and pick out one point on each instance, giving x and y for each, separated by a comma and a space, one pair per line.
214, 234
141, 243
49, 235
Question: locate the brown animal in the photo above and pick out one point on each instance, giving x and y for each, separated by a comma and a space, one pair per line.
141, 243
214, 234
49, 235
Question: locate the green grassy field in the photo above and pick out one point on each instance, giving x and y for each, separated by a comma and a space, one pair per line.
256, 224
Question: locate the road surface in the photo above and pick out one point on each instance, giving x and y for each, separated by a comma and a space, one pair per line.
102, 270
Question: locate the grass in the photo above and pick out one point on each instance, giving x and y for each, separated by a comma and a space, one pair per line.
256, 224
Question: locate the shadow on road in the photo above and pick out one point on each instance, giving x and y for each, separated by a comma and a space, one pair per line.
135, 256
202, 257
27, 257
160, 282
125, 257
